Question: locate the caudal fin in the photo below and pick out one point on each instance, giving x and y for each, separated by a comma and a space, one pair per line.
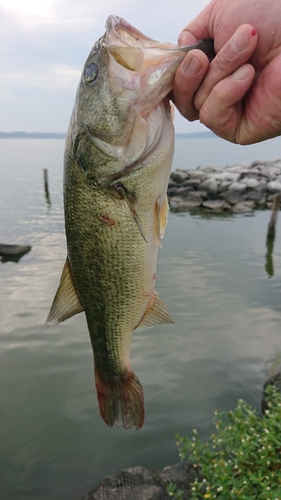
120, 400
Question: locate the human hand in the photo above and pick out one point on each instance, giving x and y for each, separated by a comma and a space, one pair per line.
237, 95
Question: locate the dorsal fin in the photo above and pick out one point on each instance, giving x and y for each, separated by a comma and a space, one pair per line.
156, 313
66, 302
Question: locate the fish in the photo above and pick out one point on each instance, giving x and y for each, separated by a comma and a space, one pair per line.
117, 161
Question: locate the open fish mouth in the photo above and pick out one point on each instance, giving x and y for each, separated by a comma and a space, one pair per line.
119, 31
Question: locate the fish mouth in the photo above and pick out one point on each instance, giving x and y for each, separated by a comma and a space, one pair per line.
122, 32
131, 48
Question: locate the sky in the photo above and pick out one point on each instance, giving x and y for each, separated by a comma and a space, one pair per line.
44, 44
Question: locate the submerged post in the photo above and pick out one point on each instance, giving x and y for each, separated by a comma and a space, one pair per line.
46, 186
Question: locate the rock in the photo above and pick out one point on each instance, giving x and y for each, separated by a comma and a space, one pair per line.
237, 186
233, 197
275, 381
184, 191
214, 204
193, 200
137, 483
192, 182
245, 206
251, 182
226, 176
13, 253
171, 191
257, 195
209, 185
14, 250
197, 174
274, 187
178, 177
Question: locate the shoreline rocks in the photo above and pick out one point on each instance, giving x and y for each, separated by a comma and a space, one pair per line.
236, 188
138, 483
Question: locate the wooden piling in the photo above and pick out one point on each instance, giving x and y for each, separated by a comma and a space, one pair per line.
46, 186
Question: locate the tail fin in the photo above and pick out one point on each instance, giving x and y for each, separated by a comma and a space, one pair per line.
120, 400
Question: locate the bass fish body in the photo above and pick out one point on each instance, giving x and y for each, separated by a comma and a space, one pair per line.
118, 156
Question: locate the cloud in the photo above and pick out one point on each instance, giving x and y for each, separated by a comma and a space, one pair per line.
44, 44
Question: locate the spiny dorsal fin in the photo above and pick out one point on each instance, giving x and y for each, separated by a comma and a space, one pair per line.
162, 208
156, 313
66, 302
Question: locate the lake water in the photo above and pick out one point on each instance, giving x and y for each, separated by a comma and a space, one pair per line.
215, 280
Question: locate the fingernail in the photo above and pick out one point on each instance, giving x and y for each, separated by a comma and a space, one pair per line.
191, 65
186, 38
240, 41
241, 73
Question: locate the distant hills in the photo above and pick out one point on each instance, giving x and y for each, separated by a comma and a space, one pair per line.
52, 135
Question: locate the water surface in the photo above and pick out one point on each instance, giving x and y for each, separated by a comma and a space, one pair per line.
212, 276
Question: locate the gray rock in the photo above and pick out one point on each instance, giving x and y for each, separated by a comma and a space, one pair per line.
191, 201
245, 206
226, 176
214, 204
209, 185
172, 190
183, 191
233, 197
237, 186
257, 195
251, 182
178, 177
192, 182
274, 187
135, 483
197, 174
13, 250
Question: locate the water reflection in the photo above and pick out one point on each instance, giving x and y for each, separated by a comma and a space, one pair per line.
269, 265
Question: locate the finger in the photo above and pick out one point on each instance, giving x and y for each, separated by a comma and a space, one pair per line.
222, 110
187, 80
200, 28
236, 52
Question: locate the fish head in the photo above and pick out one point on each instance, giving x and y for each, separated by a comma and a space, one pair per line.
127, 75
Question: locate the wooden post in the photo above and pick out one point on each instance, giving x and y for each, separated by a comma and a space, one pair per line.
46, 186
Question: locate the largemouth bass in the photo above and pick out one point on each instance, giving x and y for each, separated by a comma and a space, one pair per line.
118, 156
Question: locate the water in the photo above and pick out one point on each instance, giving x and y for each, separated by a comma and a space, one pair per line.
212, 276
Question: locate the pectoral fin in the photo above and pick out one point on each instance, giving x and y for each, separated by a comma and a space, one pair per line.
162, 208
156, 313
66, 302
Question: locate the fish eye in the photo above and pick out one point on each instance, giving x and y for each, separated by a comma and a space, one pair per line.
91, 73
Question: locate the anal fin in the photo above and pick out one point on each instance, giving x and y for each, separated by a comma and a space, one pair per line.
156, 313
66, 302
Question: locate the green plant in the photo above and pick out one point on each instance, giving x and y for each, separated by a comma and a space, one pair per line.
242, 459
174, 491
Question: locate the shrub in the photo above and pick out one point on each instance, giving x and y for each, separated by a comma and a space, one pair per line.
242, 459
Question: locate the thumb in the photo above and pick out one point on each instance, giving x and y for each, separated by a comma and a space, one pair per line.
198, 29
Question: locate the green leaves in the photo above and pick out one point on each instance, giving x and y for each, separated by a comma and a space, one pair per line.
242, 459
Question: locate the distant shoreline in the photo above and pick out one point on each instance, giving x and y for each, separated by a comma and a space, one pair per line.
31, 135
53, 135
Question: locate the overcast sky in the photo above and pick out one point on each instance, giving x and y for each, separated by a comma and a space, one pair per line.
44, 44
